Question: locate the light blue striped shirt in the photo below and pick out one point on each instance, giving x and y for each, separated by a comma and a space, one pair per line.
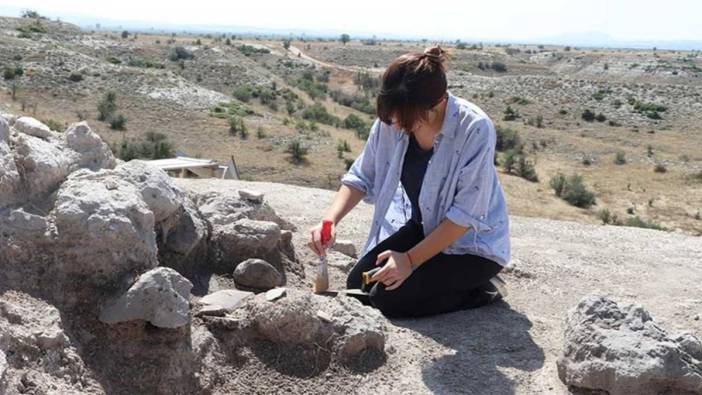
460, 184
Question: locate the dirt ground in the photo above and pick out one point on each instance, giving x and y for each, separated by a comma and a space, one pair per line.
510, 347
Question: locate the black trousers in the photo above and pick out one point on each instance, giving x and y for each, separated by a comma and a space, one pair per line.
442, 284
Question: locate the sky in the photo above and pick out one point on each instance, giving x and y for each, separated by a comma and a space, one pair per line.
623, 20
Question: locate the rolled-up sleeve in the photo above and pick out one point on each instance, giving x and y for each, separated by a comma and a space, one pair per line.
361, 174
476, 178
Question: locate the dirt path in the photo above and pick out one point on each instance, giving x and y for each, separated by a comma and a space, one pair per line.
297, 52
511, 347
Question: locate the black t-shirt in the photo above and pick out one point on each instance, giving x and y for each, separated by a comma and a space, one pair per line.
414, 167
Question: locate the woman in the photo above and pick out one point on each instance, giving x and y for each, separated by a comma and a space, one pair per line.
429, 155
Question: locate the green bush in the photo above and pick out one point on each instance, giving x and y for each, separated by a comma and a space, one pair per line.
660, 168
76, 76
107, 106
619, 158
9, 73
243, 93
507, 139
639, 222
154, 146
118, 122
54, 124
113, 60
608, 218
588, 116
237, 126
180, 53
317, 112
510, 114
298, 153
249, 50
600, 117
572, 190
517, 164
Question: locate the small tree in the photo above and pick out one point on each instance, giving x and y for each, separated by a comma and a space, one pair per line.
620, 159
298, 153
286, 44
107, 106
345, 38
118, 122
510, 114
125, 34
588, 116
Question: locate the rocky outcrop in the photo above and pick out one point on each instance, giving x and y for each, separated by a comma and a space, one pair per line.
160, 296
620, 349
342, 323
36, 355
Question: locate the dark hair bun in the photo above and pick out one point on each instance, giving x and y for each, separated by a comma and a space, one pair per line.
436, 55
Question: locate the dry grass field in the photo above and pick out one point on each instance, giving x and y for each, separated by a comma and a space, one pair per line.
187, 88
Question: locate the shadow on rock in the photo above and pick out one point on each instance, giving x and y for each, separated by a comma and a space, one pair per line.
484, 340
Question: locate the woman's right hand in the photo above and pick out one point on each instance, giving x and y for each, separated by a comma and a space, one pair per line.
315, 242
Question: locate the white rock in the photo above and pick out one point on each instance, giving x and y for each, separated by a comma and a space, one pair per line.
105, 230
345, 247
32, 127
45, 164
251, 195
620, 350
94, 153
275, 294
160, 296
222, 302
4, 131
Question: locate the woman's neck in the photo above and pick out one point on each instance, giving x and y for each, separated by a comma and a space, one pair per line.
426, 132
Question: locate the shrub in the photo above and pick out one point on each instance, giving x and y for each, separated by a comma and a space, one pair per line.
354, 122
76, 76
180, 53
348, 163
125, 34
11, 72
113, 60
507, 139
118, 122
236, 125
651, 110
298, 153
107, 106
563, 111
639, 222
341, 147
517, 164
660, 168
53, 125
243, 93
607, 217
600, 117
572, 190
155, 146
317, 112
510, 114
588, 116
249, 50
344, 38
260, 132
619, 158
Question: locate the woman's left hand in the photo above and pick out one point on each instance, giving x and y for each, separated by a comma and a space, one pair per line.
395, 271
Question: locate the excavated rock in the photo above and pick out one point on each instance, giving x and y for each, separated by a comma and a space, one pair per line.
620, 349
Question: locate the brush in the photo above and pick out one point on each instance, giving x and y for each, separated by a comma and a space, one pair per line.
321, 281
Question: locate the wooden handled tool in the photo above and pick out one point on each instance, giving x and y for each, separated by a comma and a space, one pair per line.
321, 281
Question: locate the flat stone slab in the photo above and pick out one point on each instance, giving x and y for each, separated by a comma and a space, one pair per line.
221, 302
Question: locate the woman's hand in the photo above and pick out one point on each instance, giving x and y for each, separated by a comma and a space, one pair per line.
315, 242
395, 271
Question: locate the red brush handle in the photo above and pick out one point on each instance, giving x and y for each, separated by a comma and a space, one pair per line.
326, 231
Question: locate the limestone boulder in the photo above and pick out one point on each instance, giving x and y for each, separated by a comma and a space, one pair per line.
304, 318
159, 296
619, 349
93, 153
33, 127
105, 229
241, 240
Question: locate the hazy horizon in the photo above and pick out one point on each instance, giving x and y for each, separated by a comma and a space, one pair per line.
597, 23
